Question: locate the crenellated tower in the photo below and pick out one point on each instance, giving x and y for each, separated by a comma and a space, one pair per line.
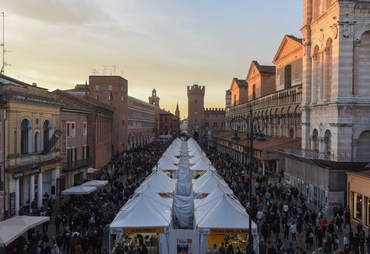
196, 109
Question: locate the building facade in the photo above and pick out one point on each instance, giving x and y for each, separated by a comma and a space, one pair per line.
113, 91
275, 105
335, 99
32, 161
86, 140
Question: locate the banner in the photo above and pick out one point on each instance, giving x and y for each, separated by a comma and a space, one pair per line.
52, 142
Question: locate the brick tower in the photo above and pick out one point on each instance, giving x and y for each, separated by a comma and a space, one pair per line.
154, 100
196, 110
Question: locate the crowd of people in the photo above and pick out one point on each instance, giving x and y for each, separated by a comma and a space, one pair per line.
279, 210
80, 225
283, 218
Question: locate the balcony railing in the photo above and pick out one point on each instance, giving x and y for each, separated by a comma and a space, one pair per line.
329, 156
73, 165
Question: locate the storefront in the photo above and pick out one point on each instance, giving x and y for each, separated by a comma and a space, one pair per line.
359, 195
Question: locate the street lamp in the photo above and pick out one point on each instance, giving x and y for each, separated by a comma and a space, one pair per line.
254, 127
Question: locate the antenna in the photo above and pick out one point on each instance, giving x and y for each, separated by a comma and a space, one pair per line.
93, 71
105, 69
114, 70
3, 45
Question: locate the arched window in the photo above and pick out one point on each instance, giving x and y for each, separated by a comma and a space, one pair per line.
46, 131
25, 136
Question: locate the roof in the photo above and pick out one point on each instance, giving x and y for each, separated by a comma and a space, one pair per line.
265, 68
272, 143
241, 82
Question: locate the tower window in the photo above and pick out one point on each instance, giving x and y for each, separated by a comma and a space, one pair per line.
196, 101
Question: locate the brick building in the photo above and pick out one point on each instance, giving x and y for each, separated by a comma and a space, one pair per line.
87, 137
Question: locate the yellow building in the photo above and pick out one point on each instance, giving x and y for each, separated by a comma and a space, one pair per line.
32, 152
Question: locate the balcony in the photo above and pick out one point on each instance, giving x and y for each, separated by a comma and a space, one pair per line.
73, 165
328, 159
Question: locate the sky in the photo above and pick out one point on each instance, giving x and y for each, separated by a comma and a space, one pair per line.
162, 44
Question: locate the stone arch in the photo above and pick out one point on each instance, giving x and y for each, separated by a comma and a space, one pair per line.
361, 66
314, 138
325, 91
358, 33
327, 142
363, 146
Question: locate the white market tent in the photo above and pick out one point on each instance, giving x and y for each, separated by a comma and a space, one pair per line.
95, 183
144, 213
91, 170
79, 190
14, 227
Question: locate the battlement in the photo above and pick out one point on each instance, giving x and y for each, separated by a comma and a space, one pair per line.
214, 110
196, 87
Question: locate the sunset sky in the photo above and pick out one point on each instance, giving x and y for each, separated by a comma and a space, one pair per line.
162, 44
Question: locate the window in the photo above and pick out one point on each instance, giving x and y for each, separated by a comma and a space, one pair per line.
110, 88
73, 129
108, 97
97, 97
253, 92
215, 124
84, 128
25, 136
357, 205
195, 120
37, 142
85, 152
196, 101
96, 88
46, 131
288, 76
68, 129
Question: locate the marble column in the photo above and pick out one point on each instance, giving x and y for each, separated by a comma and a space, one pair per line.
24, 190
32, 189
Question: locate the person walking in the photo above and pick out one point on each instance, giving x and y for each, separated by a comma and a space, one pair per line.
293, 231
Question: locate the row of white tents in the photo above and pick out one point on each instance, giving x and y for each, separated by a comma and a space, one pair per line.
167, 199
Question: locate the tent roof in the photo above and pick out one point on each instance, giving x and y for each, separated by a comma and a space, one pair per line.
95, 183
14, 227
79, 190
225, 214
143, 215
164, 164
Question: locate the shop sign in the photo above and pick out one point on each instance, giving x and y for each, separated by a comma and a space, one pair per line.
12, 204
142, 230
228, 231
184, 246
204, 231
26, 173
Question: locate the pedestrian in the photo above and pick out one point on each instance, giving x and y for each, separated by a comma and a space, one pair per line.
222, 249
214, 249
45, 249
57, 222
55, 249
293, 231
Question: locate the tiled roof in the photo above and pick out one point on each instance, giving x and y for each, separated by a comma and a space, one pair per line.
265, 68
241, 82
271, 143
